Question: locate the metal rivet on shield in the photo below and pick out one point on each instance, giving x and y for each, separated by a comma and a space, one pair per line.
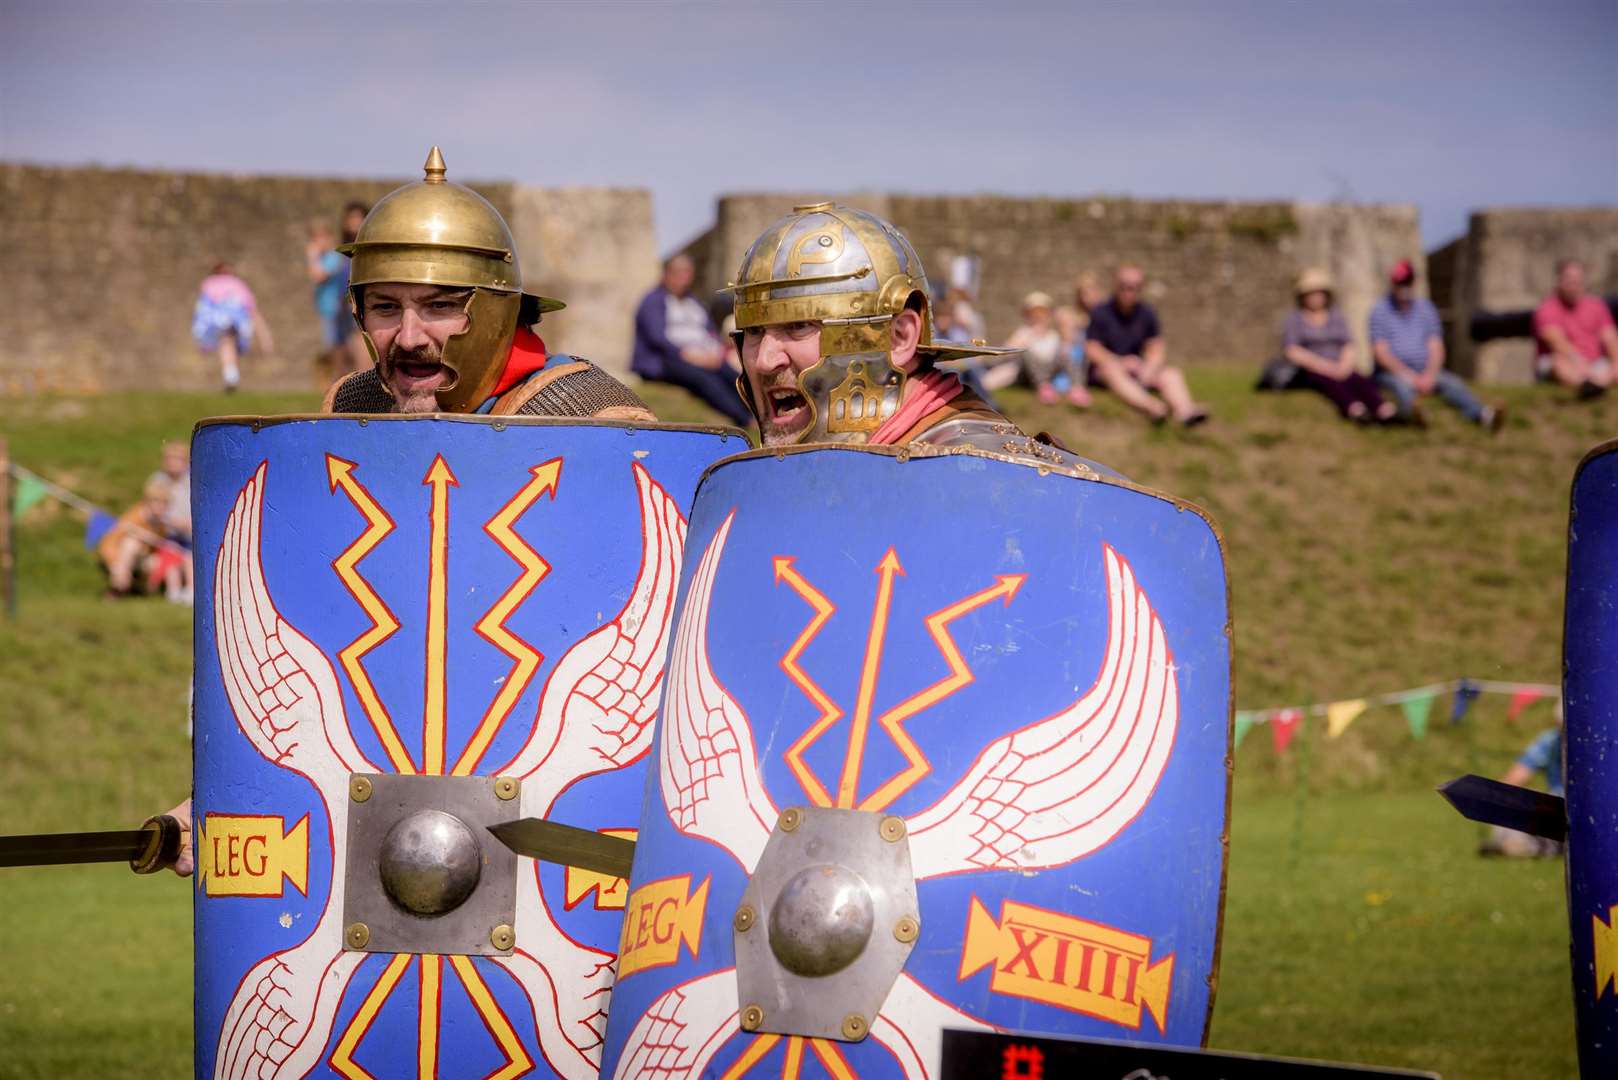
357, 935
892, 829
906, 929
790, 818
752, 1018
855, 1027
745, 917
359, 789
502, 937
505, 788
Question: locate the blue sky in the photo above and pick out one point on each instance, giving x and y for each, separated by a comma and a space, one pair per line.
1452, 106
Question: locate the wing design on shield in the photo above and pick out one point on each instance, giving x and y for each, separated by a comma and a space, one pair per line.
576, 978
594, 714
1060, 788
683, 1029
918, 1041
596, 710
286, 700
708, 767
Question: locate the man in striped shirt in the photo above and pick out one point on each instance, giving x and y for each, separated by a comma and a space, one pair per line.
1408, 344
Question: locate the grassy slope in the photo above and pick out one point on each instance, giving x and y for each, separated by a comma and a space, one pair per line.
1359, 924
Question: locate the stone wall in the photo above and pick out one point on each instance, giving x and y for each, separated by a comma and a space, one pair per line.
102, 267
1507, 261
1220, 273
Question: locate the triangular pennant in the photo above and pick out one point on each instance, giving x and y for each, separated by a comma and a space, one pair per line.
1244, 724
1340, 714
99, 525
1283, 725
1521, 700
1466, 692
29, 490
1416, 711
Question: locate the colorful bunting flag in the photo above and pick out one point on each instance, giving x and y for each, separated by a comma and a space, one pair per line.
1340, 714
99, 525
1283, 725
1416, 710
1466, 692
1244, 724
29, 490
1521, 700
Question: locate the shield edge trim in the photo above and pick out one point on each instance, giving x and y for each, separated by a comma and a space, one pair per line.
904, 454
496, 422
1595, 453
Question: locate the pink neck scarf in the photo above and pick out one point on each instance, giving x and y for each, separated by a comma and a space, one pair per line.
929, 392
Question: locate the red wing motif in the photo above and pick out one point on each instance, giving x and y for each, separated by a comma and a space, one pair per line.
281, 686
286, 700
281, 1017
596, 710
679, 1034
1064, 786
708, 767
918, 1041
568, 990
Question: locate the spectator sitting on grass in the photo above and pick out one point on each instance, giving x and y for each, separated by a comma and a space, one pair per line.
135, 553
1046, 362
947, 329
1577, 343
1315, 338
1073, 320
1127, 355
1407, 342
675, 342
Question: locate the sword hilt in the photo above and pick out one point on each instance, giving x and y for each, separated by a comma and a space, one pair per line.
162, 847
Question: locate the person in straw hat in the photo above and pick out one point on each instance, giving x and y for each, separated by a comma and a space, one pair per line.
1315, 337
1046, 363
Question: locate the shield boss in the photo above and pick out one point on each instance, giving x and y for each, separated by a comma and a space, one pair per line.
821, 920
430, 862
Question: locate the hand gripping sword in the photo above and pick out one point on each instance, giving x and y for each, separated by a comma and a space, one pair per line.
150, 848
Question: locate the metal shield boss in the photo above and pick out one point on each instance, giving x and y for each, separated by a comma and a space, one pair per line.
1590, 706
408, 629
944, 743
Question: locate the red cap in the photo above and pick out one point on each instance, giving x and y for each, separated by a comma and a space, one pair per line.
1403, 273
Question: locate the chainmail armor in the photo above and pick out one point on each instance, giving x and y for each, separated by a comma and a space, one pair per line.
362, 392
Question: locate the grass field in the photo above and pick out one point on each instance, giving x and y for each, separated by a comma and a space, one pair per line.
1360, 926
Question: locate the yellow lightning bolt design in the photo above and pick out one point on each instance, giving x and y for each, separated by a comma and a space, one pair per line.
383, 624
1606, 950
492, 627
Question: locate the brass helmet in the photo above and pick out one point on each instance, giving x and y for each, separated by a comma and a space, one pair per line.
852, 272
433, 232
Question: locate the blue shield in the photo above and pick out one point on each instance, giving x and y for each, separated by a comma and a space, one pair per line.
1590, 704
431, 597
1030, 669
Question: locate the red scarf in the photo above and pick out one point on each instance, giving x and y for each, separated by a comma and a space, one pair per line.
932, 390
527, 356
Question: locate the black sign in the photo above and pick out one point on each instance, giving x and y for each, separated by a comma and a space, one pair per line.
989, 1055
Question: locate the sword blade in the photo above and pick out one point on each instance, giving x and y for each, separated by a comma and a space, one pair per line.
1495, 803
554, 842
56, 849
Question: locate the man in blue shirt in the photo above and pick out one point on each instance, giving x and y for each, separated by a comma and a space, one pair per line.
1542, 756
1408, 344
676, 342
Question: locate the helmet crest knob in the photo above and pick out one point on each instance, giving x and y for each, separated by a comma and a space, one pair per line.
434, 171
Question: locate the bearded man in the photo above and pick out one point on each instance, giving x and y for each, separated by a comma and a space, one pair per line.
437, 292
835, 333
